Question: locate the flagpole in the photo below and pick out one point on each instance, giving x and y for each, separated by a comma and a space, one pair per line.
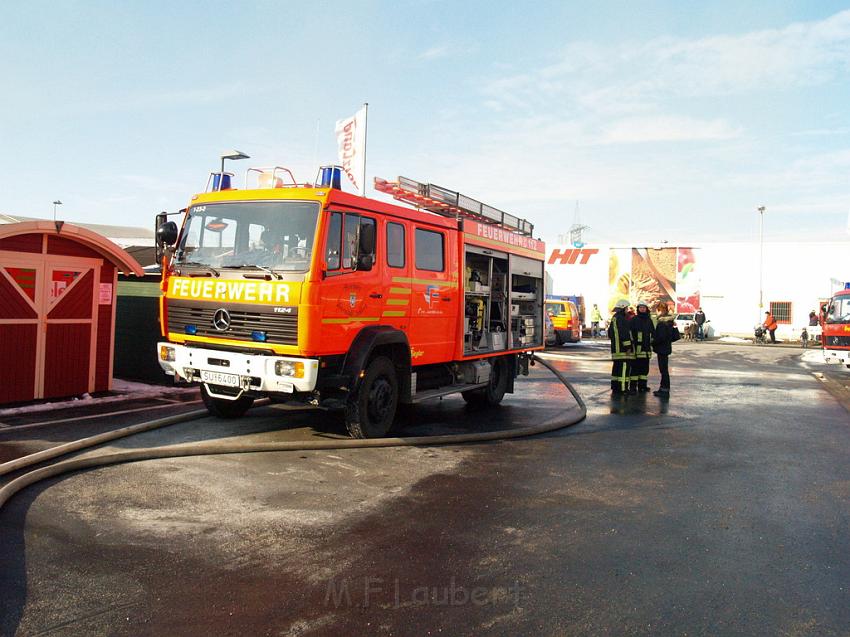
316, 146
365, 128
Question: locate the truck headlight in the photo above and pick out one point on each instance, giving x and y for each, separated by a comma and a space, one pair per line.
289, 368
167, 354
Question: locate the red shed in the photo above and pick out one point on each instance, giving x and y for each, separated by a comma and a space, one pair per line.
57, 309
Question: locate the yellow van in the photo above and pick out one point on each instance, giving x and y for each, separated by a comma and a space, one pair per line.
565, 319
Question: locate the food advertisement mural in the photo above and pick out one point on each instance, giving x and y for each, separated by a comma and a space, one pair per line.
652, 275
687, 281
619, 276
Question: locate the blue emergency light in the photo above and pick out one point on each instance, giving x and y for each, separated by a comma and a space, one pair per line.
221, 181
330, 177
258, 336
191, 330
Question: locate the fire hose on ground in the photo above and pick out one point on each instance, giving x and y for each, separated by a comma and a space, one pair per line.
571, 417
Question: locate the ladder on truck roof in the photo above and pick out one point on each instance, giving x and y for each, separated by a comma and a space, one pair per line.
449, 203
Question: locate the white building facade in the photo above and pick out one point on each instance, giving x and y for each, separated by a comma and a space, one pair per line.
725, 279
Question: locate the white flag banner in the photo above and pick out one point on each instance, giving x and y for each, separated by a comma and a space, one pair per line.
351, 140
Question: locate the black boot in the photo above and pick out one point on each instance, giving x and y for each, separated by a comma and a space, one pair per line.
663, 392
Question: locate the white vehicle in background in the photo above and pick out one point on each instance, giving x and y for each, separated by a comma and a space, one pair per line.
682, 320
685, 319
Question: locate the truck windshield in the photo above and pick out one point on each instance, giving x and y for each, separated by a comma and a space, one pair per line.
275, 235
838, 311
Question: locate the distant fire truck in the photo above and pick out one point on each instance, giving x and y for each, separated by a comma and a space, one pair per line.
835, 320
305, 292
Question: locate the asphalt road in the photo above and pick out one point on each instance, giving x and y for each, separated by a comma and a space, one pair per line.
722, 511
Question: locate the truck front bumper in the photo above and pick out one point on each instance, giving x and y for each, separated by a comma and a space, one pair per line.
246, 372
837, 356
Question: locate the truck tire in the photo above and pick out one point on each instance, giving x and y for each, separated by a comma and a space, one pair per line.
223, 408
371, 411
492, 394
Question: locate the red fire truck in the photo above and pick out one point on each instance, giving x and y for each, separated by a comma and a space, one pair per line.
305, 292
836, 327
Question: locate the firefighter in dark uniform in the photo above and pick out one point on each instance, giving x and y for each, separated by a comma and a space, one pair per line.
643, 333
619, 332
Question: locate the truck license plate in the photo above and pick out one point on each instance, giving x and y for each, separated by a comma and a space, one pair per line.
217, 378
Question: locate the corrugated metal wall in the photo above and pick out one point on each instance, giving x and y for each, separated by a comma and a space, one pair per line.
137, 330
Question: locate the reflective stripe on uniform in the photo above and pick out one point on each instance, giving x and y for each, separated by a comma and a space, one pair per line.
615, 340
623, 378
620, 375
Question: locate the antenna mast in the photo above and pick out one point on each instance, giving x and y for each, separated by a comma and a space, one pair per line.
576, 229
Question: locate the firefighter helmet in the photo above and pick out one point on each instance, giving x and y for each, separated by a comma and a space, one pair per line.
622, 304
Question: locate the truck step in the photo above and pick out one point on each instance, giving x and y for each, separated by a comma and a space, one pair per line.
445, 391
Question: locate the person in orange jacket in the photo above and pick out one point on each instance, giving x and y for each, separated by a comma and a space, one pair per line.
770, 325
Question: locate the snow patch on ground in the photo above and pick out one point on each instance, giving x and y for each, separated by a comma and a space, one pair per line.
143, 389
732, 339
125, 390
813, 356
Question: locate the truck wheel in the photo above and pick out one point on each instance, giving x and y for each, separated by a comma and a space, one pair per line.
492, 394
223, 408
370, 413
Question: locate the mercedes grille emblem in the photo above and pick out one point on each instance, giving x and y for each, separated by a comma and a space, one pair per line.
221, 320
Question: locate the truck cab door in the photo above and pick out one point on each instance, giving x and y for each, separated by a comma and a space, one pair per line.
352, 292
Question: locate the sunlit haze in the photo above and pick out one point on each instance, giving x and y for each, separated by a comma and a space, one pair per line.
665, 121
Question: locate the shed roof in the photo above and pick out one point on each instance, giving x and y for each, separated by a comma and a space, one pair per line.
122, 235
117, 255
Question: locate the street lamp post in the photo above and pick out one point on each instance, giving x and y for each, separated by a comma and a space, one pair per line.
55, 203
233, 155
761, 210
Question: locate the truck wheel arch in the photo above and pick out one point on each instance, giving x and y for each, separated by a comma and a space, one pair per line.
378, 339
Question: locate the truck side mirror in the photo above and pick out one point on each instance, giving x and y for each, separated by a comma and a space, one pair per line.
367, 238
365, 258
166, 234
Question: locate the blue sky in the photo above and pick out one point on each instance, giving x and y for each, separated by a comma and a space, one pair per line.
665, 120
